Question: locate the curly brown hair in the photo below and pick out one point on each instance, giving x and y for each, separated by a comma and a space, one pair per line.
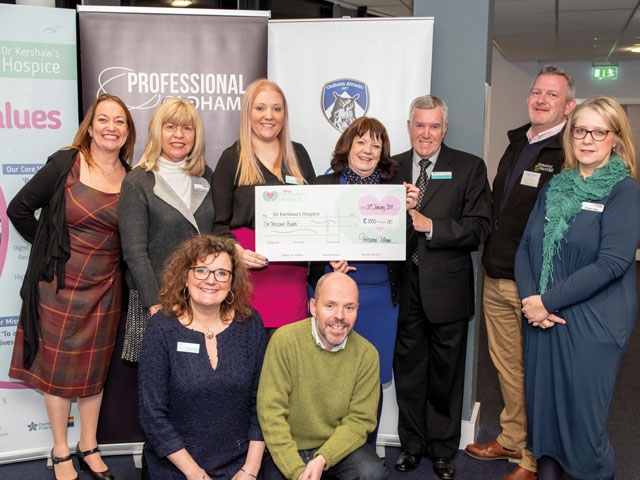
195, 250
363, 125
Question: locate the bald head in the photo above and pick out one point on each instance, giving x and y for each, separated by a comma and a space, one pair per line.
336, 278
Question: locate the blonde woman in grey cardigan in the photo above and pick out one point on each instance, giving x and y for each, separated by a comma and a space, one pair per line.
164, 200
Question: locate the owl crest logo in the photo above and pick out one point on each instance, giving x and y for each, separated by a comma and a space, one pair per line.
344, 100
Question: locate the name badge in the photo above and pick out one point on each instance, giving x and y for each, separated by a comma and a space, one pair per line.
530, 179
441, 176
593, 207
188, 347
198, 186
290, 180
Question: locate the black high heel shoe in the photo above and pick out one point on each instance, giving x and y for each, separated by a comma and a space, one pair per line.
106, 475
57, 460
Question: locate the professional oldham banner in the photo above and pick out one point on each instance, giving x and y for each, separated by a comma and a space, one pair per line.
335, 70
38, 115
144, 55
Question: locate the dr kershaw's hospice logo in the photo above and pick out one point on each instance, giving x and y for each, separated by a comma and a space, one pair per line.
270, 196
344, 100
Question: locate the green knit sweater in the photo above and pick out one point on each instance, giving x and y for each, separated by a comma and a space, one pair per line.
309, 397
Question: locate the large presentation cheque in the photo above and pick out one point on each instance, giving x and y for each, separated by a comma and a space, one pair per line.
331, 222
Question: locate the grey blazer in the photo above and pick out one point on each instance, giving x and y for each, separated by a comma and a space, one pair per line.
153, 221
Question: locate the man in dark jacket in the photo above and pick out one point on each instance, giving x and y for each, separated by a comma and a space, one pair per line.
452, 217
533, 156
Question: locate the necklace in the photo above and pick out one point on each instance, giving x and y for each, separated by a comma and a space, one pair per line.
104, 172
209, 334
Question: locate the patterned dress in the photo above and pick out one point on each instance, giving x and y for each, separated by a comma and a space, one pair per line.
79, 322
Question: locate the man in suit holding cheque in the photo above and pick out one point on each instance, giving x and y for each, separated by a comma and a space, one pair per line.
452, 218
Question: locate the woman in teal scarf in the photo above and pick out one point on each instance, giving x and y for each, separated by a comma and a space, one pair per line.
575, 272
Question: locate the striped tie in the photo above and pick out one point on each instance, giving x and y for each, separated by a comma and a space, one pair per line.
423, 181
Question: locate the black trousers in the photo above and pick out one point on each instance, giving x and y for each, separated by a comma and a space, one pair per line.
428, 368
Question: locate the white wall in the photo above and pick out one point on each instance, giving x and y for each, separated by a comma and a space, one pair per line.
510, 83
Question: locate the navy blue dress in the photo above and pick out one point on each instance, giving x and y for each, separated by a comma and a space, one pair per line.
185, 403
570, 370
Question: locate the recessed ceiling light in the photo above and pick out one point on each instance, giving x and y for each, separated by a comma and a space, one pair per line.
181, 3
635, 49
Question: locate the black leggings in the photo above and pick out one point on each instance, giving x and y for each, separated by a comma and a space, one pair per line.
549, 469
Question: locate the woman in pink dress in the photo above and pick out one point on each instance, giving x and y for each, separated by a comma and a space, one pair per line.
263, 155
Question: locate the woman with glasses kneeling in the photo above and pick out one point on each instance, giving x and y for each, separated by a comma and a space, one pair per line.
199, 368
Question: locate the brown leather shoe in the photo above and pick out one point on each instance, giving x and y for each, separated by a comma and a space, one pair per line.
521, 474
492, 451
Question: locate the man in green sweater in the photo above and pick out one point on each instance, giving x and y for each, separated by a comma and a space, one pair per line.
319, 391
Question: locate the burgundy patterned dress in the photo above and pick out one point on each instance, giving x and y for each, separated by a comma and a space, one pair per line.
79, 322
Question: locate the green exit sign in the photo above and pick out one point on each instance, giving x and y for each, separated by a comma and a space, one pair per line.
604, 73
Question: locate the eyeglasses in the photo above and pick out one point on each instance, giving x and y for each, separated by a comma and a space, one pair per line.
598, 135
220, 274
172, 128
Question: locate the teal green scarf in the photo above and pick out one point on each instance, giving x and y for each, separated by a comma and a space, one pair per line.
567, 191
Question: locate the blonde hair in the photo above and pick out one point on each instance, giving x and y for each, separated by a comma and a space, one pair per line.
616, 119
177, 112
248, 172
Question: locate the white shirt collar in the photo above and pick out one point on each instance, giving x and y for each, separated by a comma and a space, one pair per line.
314, 332
546, 134
415, 166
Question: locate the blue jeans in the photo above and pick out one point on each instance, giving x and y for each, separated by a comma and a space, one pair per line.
361, 464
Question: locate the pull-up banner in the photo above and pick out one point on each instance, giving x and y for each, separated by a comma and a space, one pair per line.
144, 55
336, 70
38, 115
